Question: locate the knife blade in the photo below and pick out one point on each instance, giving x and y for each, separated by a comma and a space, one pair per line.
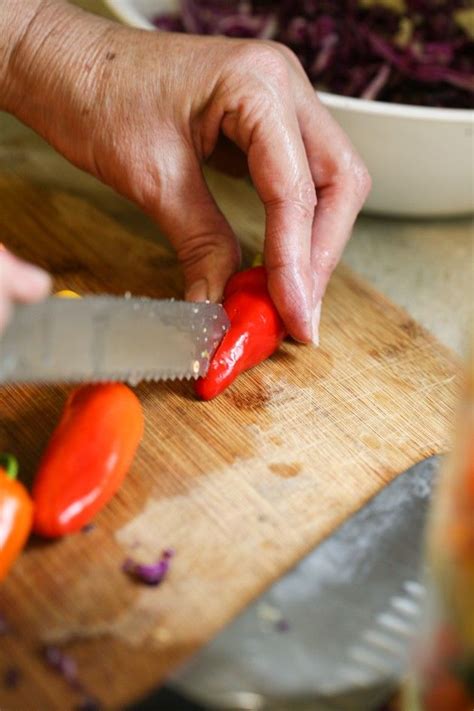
105, 338
353, 609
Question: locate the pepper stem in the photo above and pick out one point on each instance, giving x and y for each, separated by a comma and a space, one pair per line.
9, 464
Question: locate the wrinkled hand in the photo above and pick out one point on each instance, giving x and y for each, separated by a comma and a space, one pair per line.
142, 111
19, 282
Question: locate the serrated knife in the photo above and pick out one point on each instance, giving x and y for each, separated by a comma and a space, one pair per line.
105, 338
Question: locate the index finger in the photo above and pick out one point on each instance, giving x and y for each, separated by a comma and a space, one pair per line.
342, 182
281, 175
19, 282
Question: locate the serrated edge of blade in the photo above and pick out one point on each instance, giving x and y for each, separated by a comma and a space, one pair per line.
130, 378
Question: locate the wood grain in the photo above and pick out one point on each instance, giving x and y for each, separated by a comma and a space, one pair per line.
241, 487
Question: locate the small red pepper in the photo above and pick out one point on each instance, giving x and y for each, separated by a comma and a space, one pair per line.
87, 457
256, 330
16, 513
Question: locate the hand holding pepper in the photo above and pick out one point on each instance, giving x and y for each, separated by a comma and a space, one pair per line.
169, 100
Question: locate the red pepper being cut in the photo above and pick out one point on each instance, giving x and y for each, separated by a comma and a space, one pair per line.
16, 513
256, 331
87, 457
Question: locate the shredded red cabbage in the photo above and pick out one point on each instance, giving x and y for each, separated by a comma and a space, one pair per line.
4, 625
152, 574
406, 51
88, 527
88, 703
66, 666
12, 678
282, 625
61, 662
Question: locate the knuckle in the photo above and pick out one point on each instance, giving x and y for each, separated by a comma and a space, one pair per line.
306, 193
265, 57
325, 265
202, 246
363, 180
300, 202
195, 248
284, 51
279, 264
359, 178
300, 211
325, 259
144, 184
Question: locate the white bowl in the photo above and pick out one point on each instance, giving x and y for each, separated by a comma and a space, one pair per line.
421, 159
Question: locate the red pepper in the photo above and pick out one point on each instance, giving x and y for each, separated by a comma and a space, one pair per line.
256, 330
16, 513
87, 457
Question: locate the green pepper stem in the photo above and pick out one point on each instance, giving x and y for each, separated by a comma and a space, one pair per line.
10, 464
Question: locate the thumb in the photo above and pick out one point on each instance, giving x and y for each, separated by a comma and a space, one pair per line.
204, 241
20, 281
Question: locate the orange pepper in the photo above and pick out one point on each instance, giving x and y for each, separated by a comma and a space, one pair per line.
16, 513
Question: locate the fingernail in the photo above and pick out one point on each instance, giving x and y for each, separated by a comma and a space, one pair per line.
315, 324
39, 280
199, 291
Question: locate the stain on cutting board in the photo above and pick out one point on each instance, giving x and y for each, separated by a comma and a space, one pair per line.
285, 470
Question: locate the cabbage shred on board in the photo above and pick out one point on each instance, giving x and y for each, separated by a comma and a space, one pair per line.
407, 51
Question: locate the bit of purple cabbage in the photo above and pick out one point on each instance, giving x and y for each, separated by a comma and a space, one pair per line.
421, 55
12, 678
88, 527
282, 625
169, 23
88, 703
61, 662
4, 625
152, 574
66, 667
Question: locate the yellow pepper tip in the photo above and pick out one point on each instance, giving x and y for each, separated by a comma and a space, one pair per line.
67, 294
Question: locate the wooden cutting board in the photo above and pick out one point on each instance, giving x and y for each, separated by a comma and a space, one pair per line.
241, 487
